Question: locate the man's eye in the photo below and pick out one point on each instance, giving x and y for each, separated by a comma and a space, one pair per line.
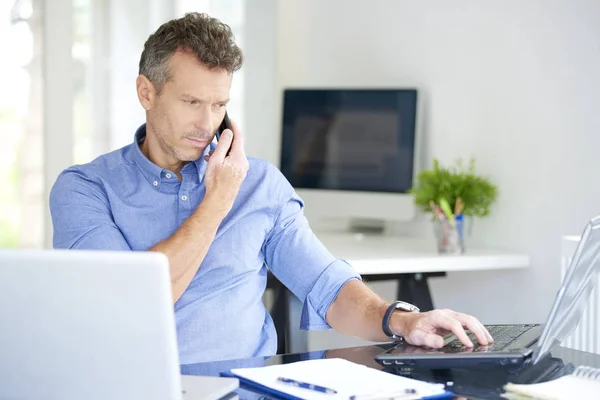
191, 102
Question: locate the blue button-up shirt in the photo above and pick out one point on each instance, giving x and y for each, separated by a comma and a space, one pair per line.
122, 201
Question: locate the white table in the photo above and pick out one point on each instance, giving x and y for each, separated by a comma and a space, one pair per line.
379, 257
375, 255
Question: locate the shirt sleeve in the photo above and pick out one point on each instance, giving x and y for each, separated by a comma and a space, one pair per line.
81, 215
301, 262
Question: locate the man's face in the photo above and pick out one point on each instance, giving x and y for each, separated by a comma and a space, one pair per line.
190, 108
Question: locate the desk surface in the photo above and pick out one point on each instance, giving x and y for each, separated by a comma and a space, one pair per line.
381, 254
479, 383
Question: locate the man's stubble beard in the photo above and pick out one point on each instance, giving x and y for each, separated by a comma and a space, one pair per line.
164, 139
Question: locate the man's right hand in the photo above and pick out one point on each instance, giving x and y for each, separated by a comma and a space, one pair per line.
187, 247
225, 173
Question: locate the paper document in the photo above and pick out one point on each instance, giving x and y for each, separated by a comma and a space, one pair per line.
342, 379
568, 387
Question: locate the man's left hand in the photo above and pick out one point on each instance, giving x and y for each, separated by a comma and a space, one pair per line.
428, 328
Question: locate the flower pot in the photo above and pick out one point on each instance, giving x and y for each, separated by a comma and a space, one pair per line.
450, 237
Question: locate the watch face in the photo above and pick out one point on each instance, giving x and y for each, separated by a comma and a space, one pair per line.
402, 305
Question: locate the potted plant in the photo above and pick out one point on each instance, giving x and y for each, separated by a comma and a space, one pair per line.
453, 194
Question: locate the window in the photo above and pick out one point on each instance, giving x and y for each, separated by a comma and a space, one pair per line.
95, 56
21, 125
26, 169
82, 58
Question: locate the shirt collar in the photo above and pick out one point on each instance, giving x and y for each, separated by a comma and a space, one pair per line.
153, 172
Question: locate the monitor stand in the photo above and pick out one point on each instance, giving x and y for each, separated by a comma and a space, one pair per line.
367, 226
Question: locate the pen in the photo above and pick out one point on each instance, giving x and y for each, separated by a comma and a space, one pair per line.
445, 206
459, 206
305, 385
438, 213
445, 224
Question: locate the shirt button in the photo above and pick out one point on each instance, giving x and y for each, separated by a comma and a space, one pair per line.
168, 176
155, 183
184, 197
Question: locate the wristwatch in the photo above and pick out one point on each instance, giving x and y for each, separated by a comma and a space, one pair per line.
397, 305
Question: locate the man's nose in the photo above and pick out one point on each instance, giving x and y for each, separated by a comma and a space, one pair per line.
204, 121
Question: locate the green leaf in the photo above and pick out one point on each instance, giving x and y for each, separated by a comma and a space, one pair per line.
445, 206
477, 192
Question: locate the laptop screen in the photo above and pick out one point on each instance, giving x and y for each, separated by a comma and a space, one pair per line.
573, 295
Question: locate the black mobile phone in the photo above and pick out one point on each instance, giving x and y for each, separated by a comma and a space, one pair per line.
225, 124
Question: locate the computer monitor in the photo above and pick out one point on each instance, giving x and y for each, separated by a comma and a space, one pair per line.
350, 153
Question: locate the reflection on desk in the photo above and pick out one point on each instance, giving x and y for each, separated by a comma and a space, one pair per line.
472, 383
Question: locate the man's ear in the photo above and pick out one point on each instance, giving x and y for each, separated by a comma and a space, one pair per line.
146, 92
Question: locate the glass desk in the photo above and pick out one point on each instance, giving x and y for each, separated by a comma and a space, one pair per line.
467, 383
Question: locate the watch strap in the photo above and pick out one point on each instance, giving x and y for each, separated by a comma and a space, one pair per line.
385, 323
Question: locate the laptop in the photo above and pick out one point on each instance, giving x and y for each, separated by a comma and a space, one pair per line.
78, 324
516, 345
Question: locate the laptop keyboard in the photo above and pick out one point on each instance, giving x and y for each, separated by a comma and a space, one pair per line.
503, 336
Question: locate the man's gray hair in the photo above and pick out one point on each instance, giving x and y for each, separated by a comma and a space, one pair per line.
210, 40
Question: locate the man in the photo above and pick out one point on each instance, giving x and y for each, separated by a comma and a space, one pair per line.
220, 219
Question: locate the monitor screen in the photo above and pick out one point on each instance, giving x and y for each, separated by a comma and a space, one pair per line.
349, 139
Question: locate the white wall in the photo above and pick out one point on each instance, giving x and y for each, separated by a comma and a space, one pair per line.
260, 69
513, 83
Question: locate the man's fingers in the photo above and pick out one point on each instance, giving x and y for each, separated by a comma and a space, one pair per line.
433, 341
222, 146
424, 338
472, 324
238, 141
448, 323
490, 337
487, 333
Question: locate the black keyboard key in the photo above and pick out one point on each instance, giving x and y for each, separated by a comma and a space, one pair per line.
503, 335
